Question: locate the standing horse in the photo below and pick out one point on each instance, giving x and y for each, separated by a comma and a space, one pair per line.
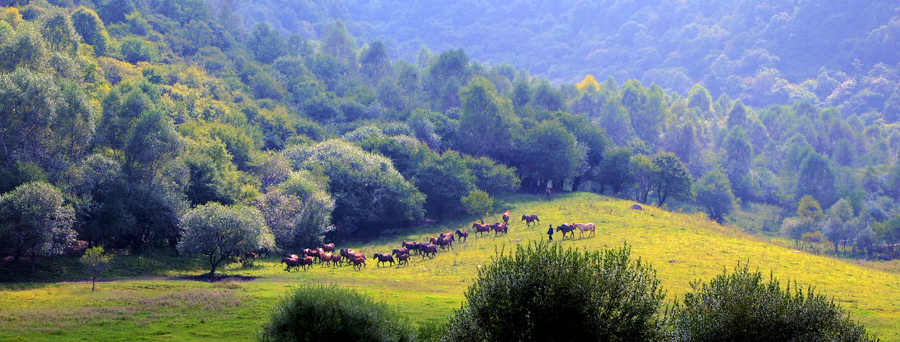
529, 219
506, 217
585, 227
565, 228
481, 228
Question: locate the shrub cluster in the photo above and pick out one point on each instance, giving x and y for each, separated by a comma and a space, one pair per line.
330, 313
545, 292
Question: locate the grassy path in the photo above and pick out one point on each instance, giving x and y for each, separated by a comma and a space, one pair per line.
430, 289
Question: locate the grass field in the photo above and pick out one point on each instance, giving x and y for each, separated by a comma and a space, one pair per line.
682, 248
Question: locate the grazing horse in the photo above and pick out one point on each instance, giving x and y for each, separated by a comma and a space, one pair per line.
585, 227
383, 258
402, 259
529, 219
506, 217
428, 249
464, 235
328, 247
565, 228
481, 228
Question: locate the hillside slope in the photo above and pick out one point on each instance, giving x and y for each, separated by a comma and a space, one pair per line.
429, 289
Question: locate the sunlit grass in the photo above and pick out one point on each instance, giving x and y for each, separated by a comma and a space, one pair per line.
681, 247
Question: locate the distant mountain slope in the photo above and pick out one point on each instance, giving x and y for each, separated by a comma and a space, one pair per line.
673, 43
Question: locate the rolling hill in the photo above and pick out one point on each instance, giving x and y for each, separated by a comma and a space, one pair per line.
682, 248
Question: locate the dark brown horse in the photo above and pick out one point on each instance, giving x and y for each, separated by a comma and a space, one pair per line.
428, 249
506, 217
448, 234
337, 260
565, 228
464, 235
292, 261
529, 219
383, 258
328, 247
481, 228
358, 261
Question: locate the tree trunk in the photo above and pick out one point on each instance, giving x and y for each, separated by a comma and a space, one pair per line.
33, 261
576, 181
93, 282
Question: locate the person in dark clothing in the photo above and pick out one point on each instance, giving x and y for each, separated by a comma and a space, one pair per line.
550, 232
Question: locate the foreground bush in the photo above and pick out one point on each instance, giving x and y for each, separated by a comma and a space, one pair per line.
743, 307
330, 313
547, 293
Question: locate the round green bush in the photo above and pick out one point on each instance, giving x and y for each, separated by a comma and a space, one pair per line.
331, 313
545, 292
744, 307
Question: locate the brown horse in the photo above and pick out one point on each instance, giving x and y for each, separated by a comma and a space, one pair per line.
402, 259
292, 261
328, 247
306, 263
481, 228
445, 241
506, 217
337, 260
499, 228
565, 228
383, 258
448, 234
464, 235
585, 227
529, 219
428, 249
359, 261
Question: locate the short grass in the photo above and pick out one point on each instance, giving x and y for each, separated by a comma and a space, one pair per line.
681, 247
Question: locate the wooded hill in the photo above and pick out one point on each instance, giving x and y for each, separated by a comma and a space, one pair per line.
119, 116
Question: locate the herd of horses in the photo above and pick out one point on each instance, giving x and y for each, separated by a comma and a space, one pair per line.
325, 254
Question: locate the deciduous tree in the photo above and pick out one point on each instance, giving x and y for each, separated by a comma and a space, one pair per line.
221, 232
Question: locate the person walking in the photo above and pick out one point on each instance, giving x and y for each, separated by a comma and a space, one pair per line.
550, 232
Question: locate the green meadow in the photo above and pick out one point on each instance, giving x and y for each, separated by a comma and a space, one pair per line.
170, 305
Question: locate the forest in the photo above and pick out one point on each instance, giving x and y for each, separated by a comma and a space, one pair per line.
123, 121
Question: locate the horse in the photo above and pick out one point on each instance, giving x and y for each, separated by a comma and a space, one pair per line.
445, 241
337, 260
449, 235
565, 228
428, 249
347, 252
359, 261
499, 228
328, 247
585, 227
433, 240
399, 251
481, 228
464, 235
326, 258
529, 219
383, 258
506, 217
412, 246
313, 253
292, 261
402, 259
548, 193
306, 263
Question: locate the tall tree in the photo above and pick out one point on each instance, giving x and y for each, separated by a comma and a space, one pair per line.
672, 178
550, 153
714, 193
816, 179
738, 160
487, 125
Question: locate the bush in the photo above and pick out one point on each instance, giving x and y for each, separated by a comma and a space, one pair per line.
547, 293
330, 313
743, 307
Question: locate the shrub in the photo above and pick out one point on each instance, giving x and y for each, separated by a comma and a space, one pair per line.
544, 292
744, 307
330, 313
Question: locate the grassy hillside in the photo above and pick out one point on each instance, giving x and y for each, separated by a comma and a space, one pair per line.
175, 307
